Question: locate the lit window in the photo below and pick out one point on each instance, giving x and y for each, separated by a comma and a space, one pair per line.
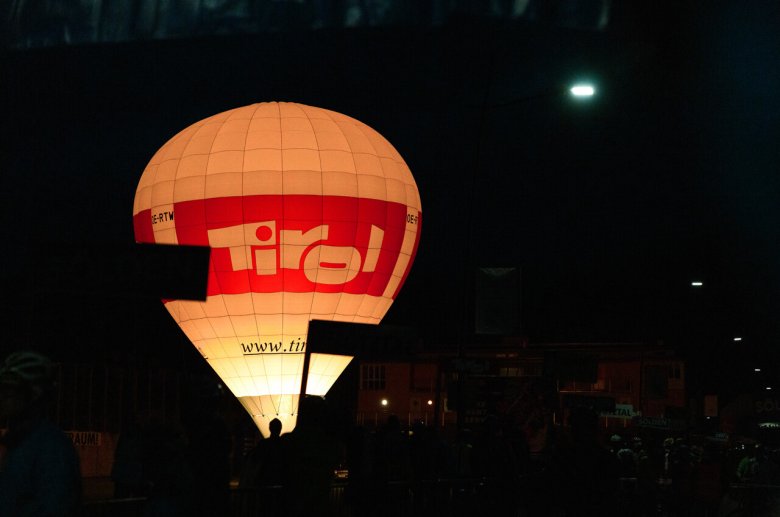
372, 377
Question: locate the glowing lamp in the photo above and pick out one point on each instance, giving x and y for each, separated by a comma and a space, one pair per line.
310, 214
582, 90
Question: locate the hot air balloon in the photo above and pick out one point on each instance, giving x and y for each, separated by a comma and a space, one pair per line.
310, 214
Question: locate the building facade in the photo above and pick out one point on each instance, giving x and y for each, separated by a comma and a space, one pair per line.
622, 382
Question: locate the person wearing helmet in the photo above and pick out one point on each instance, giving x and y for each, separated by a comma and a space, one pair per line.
39, 468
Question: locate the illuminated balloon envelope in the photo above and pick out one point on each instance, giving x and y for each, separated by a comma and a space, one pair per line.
309, 214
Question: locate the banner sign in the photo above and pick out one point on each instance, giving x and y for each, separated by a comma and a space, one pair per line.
84, 438
624, 411
664, 424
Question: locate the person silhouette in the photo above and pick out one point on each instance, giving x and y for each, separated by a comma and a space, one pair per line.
275, 427
208, 448
587, 470
263, 472
311, 455
262, 464
39, 470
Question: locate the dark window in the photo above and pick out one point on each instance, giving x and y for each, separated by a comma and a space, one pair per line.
372, 377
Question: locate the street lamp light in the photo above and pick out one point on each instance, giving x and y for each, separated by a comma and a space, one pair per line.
583, 90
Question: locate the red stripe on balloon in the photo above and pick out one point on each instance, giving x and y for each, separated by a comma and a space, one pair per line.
142, 227
349, 223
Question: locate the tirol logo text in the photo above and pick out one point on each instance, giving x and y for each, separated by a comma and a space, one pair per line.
266, 250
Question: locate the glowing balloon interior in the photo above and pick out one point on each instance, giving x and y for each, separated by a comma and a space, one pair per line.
309, 214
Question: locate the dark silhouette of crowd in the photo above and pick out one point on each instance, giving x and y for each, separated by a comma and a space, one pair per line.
510, 464
179, 465
506, 465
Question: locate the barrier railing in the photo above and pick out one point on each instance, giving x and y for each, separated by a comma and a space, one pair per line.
128, 507
430, 498
456, 497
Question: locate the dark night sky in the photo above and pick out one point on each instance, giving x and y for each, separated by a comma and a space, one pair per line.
610, 208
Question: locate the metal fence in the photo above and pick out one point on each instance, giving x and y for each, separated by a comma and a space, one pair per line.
462, 497
433, 498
